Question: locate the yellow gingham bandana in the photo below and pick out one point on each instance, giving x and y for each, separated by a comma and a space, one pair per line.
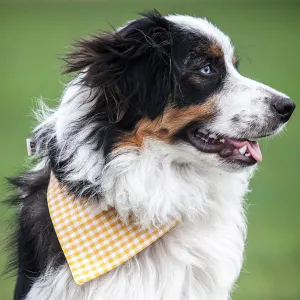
95, 243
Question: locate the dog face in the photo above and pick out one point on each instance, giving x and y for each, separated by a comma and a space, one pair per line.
172, 80
243, 109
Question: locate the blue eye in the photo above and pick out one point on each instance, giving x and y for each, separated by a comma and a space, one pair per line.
207, 70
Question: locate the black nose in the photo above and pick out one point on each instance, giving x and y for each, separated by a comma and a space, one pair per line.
284, 107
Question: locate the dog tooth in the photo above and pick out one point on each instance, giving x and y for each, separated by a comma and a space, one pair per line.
213, 136
247, 154
243, 149
222, 141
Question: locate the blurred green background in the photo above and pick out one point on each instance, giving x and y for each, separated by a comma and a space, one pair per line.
267, 38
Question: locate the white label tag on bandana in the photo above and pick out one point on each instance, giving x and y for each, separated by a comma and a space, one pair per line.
95, 243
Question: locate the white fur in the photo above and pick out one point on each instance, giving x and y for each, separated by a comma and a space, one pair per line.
249, 101
240, 96
201, 257
86, 163
203, 26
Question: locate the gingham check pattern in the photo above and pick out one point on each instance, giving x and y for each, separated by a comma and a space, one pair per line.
95, 243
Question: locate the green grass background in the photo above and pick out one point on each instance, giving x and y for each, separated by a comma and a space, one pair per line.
267, 38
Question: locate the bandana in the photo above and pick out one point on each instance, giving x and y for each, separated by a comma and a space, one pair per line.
95, 242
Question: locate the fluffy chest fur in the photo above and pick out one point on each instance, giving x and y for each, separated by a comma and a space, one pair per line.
199, 259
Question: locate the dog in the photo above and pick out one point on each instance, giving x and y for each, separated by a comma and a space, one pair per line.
156, 123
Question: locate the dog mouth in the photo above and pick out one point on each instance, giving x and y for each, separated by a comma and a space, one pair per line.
242, 151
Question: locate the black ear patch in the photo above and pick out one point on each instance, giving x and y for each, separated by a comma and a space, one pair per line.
131, 70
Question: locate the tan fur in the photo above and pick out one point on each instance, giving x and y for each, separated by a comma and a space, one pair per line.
235, 60
215, 50
164, 127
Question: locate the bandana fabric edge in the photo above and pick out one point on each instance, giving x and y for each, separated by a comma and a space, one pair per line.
95, 243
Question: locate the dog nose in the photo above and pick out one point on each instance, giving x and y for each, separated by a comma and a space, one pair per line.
284, 107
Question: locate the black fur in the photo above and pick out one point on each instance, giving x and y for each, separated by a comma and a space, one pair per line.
133, 73
137, 72
34, 243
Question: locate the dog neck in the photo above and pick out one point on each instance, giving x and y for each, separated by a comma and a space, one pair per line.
200, 258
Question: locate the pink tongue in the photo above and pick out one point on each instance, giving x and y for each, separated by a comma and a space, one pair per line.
253, 147
254, 150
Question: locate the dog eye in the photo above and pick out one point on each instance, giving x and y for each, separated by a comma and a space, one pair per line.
207, 70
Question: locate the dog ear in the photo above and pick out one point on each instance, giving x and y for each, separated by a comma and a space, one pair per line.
131, 70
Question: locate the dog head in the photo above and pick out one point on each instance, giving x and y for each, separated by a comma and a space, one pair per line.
160, 91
